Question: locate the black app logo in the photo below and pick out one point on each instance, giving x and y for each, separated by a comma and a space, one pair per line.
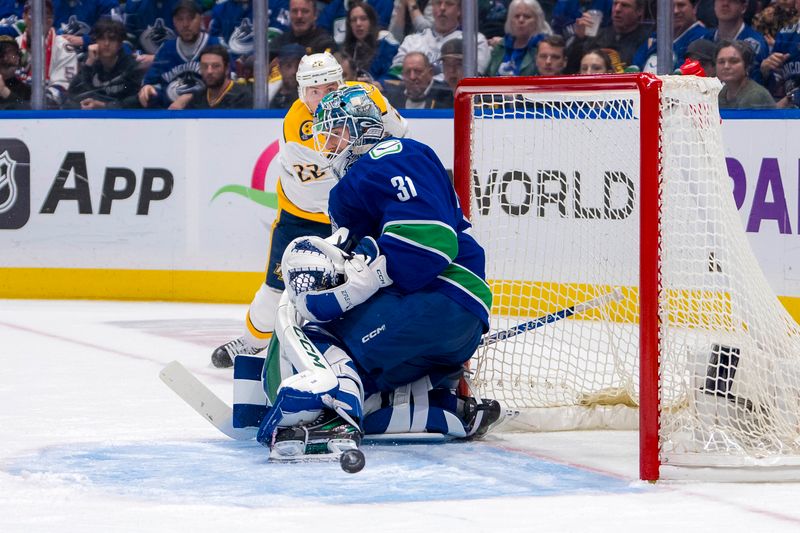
15, 184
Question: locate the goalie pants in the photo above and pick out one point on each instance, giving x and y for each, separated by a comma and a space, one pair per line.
397, 339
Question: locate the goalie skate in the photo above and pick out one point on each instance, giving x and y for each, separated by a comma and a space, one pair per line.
487, 415
324, 440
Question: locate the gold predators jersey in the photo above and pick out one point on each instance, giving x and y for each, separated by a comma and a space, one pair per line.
305, 181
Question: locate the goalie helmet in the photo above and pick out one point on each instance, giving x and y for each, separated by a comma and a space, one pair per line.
317, 69
347, 125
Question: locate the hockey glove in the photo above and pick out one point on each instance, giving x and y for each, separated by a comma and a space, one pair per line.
365, 273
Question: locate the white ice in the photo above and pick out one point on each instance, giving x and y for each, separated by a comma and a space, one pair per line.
91, 441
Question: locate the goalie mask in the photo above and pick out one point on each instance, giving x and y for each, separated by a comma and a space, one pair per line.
347, 125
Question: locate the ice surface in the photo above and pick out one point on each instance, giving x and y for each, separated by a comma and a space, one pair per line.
91, 440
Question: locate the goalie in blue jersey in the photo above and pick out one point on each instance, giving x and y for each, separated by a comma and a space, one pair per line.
393, 304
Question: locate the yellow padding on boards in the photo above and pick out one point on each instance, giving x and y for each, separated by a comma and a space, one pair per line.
511, 298
527, 299
117, 284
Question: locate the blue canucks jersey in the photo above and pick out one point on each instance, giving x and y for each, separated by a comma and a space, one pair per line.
149, 23
174, 73
11, 8
400, 194
787, 41
646, 59
232, 23
77, 17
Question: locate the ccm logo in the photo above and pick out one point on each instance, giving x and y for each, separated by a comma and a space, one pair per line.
372, 334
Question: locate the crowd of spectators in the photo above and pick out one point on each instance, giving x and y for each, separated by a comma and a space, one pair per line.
179, 54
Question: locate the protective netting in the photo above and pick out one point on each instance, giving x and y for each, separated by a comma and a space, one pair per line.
556, 203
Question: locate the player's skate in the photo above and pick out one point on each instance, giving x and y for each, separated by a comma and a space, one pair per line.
224, 355
482, 416
328, 438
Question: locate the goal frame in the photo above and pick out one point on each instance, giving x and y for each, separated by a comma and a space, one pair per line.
649, 88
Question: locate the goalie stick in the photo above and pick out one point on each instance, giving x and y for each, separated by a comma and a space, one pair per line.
200, 398
603, 299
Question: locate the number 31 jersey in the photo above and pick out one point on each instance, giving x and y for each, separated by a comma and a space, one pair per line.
400, 194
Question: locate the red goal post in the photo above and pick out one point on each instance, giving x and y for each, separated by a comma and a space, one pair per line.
529, 151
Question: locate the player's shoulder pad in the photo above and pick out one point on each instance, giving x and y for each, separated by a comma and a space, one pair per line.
373, 93
297, 123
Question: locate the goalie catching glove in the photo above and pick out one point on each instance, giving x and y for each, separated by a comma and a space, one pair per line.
324, 281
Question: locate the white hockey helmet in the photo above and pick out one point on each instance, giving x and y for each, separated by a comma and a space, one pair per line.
317, 69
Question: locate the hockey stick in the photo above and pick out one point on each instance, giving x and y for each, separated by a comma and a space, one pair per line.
612, 296
201, 399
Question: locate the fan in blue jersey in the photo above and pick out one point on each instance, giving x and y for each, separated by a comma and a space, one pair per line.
75, 20
685, 28
232, 23
174, 76
412, 303
781, 69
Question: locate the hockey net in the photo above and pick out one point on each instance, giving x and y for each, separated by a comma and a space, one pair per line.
613, 190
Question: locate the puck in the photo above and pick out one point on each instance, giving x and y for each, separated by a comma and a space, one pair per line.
352, 461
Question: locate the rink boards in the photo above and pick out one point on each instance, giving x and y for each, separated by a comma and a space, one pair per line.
150, 206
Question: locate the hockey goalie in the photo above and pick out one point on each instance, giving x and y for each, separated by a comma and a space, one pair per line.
377, 320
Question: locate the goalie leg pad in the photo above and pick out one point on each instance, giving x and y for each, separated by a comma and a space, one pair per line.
302, 397
414, 408
249, 400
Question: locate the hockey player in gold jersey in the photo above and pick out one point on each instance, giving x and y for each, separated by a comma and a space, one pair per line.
303, 188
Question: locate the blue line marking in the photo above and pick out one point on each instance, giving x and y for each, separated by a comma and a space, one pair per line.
237, 473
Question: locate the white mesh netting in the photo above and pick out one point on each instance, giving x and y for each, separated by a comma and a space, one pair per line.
556, 203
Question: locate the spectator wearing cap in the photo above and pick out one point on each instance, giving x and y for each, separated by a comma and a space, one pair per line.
221, 92
515, 53
446, 26
175, 73
452, 59
303, 29
685, 28
417, 88
110, 77
282, 92
14, 93
704, 52
732, 27
61, 63
75, 20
